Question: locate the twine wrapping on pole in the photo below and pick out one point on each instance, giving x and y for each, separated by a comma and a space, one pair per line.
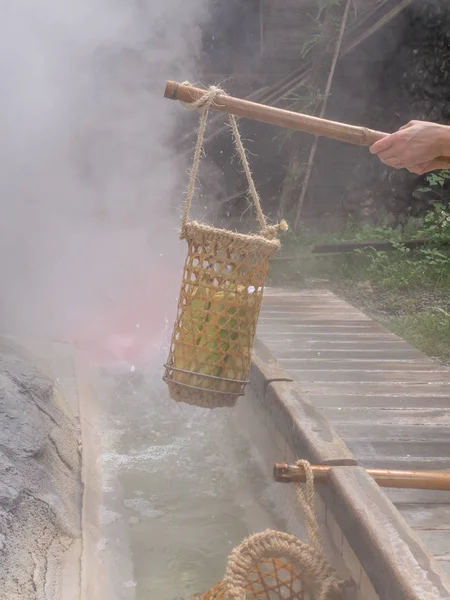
221, 292
293, 561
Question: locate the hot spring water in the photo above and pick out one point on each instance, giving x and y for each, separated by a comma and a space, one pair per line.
182, 487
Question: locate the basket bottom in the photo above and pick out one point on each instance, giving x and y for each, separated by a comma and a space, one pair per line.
201, 398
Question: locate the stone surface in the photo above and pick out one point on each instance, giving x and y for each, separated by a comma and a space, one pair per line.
39, 480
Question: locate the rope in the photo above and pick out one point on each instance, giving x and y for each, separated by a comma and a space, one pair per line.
309, 561
204, 104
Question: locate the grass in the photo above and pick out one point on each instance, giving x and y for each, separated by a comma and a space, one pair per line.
429, 331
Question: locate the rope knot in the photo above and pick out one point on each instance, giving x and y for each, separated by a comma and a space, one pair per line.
207, 100
271, 231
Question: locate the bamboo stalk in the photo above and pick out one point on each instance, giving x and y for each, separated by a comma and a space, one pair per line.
419, 480
315, 144
352, 134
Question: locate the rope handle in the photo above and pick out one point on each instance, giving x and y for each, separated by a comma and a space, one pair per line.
309, 561
204, 104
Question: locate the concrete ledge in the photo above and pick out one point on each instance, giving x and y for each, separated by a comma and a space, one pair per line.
265, 369
106, 560
304, 428
385, 557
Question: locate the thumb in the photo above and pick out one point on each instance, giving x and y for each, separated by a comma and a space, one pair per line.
382, 144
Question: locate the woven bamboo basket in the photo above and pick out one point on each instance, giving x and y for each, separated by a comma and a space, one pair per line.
220, 297
274, 565
277, 566
269, 579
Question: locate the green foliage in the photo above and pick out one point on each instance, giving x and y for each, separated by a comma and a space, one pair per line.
405, 267
437, 223
412, 284
437, 185
438, 178
428, 330
400, 268
325, 5
313, 41
306, 101
294, 175
321, 37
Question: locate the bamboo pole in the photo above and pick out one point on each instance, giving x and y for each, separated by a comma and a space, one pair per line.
418, 480
352, 134
281, 89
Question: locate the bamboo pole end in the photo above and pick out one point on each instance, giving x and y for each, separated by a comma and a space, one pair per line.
171, 90
279, 473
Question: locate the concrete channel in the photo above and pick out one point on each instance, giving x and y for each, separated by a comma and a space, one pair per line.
126, 495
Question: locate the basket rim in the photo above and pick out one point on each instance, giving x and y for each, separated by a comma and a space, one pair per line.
168, 380
195, 231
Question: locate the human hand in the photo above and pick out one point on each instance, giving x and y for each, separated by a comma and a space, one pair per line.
433, 165
416, 147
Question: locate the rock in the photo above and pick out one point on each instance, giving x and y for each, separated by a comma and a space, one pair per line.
367, 202
401, 220
435, 114
389, 220
392, 176
422, 195
413, 222
391, 202
40, 490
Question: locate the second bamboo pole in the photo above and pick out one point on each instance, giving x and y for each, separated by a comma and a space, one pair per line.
386, 478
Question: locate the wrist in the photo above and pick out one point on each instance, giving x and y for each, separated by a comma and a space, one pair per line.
443, 141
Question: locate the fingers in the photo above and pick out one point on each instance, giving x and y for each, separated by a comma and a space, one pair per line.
414, 149
395, 164
389, 140
419, 169
391, 160
432, 165
382, 145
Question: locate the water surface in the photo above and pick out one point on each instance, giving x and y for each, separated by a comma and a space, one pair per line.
187, 484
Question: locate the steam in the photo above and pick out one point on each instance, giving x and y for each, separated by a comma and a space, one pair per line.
88, 177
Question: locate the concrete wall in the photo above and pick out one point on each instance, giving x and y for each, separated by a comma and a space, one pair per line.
367, 535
